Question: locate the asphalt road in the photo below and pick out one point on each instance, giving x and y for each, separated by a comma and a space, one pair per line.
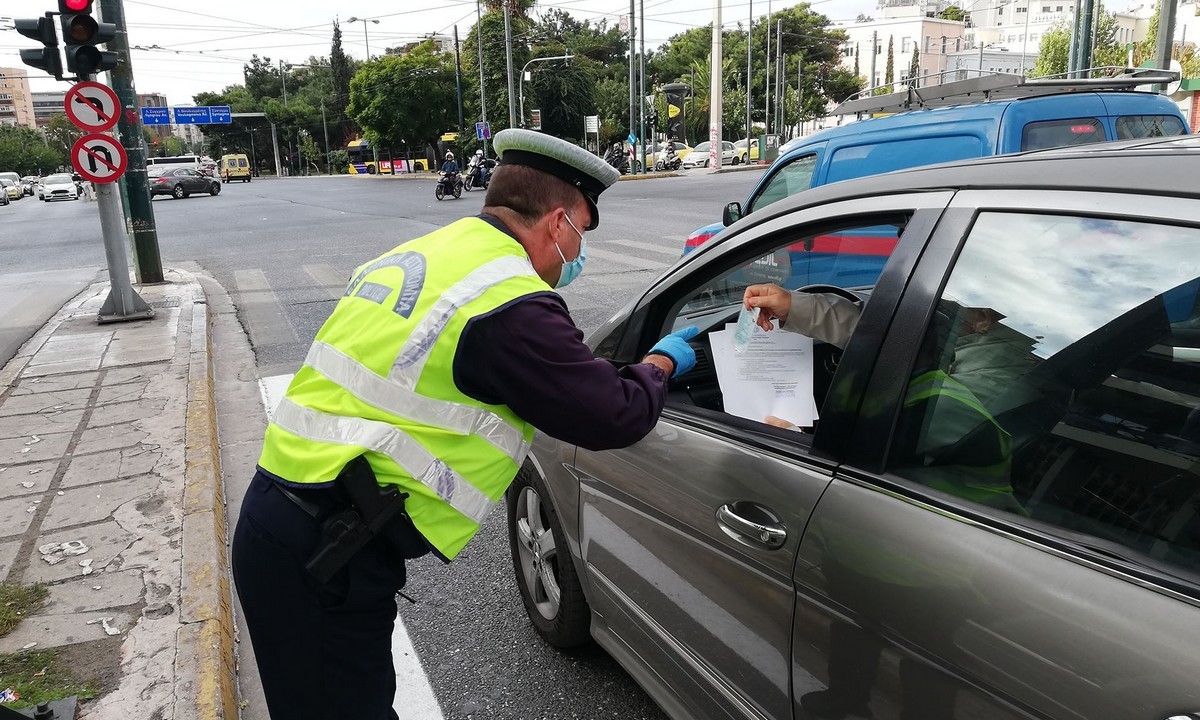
284, 250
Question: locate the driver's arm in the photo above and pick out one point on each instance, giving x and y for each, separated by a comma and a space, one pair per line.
825, 317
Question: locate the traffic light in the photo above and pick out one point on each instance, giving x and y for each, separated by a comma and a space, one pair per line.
45, 58
81, 34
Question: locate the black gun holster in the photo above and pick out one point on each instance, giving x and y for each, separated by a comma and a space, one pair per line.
368, 512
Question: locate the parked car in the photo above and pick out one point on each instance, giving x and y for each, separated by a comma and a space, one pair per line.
59, 186
698, 157
739, 148
1019, 115
4, 199
12, 190
180, 182
1023, 542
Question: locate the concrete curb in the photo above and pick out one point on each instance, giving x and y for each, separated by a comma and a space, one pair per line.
740, 168
650, 176
204, 663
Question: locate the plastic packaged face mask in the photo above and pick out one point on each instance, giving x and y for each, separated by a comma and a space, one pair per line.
747, 320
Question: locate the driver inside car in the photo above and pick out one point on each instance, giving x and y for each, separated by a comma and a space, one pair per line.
831, 318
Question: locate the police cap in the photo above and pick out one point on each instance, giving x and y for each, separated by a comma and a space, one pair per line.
559, 158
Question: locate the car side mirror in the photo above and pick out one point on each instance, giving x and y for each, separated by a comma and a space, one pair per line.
733, 213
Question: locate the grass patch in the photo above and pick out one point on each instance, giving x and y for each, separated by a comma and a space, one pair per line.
38, 677
18, 602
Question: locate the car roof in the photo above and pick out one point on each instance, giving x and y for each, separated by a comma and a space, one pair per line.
1155, 166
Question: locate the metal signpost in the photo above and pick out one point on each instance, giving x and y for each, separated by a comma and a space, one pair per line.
100, 159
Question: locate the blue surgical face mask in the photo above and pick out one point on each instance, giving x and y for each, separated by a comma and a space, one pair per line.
571, 270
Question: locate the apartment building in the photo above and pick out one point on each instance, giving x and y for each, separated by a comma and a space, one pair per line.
16, 103
911, 28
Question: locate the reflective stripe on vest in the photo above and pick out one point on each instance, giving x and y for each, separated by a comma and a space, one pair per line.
411, 359
387, 440
401, 401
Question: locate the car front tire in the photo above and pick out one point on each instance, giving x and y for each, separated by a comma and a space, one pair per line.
546, 576
214, 189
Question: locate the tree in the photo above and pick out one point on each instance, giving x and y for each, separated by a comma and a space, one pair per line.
341, 69
61, 134
953, 12
23, 151
495, 67
914, 68
408, 98
889, 72
1052, 52
857, 71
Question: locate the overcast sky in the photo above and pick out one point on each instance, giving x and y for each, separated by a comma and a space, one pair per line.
206, 44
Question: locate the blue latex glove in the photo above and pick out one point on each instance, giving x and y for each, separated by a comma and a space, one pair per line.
675, 346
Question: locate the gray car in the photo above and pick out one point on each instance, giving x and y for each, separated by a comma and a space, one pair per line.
997, 514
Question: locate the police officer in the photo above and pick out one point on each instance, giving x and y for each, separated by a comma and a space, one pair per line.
412, 414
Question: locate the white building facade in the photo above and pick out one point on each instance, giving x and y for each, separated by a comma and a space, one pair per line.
910, 28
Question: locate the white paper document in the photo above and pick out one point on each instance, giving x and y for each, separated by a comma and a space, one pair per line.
773, 376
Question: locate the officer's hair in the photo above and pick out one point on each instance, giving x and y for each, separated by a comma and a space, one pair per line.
529, 193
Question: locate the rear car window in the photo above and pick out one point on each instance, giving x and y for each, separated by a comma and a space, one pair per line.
789, 180
1131, 127
1061, 133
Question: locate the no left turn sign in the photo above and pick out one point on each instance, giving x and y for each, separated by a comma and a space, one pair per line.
99, 158
92, 106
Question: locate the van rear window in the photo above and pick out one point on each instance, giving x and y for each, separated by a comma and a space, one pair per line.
1131, 127
1061, 133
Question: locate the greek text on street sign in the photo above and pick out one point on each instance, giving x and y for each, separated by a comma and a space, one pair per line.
92, 106
99, 158
156, 116
192, 115
220, 114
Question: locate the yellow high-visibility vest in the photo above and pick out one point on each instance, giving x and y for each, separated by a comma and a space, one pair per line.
379, 380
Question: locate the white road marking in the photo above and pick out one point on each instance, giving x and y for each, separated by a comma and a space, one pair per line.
637, 262
265, 319
414, 695
673, 253
327, 278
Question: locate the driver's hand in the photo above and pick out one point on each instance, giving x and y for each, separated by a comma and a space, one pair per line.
781, 423
773, 301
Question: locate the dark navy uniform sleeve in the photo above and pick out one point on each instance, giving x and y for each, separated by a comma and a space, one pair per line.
529, 356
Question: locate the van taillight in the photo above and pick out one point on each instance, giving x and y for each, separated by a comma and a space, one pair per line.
1083, 129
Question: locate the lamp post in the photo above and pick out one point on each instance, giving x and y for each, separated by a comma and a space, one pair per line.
521, 84
364, 21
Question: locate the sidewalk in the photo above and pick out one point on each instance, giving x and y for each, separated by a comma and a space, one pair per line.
110, 495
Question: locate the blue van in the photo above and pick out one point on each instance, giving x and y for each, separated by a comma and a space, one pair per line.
1015, 115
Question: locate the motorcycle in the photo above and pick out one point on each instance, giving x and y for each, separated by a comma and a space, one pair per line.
618, 160
668, 160
478, 175
449, 184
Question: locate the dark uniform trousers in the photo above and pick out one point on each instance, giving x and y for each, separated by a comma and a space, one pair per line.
323, 650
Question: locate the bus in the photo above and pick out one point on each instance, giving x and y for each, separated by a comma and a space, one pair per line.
362, 160
189, 161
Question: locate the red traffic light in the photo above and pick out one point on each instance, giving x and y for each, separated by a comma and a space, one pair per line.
74, 5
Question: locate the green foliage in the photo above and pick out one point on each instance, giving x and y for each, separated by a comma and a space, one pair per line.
341, 69
339, 161
1052, 53
889, 72
41, 676
24, 151
19, 601
953, 12
408, 98
61, 134
495, 68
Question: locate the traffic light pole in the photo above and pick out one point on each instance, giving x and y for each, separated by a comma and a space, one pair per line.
147, 261
123, 302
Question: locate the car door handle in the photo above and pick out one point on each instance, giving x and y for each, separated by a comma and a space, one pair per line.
744, 521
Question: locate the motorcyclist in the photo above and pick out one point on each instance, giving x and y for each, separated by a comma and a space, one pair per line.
449, 167
669, 156
617, 158
481, 167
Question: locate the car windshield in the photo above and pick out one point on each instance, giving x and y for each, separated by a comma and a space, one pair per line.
6, 182
156, 172
58, 180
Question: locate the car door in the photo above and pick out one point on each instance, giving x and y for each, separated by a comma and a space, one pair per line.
1043, 558
689, 537
195, 182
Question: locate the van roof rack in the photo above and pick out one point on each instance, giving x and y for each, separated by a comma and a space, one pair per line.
1001, 86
